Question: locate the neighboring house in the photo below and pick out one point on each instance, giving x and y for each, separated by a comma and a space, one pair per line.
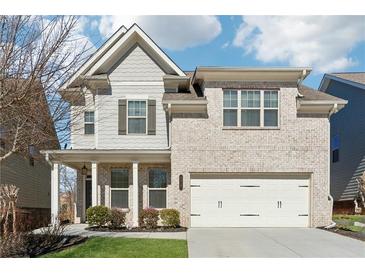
227, 147
29, 171
347, 137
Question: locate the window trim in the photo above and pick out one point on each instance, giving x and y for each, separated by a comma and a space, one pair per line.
136, 117
155, 188
118, 188
89, 123
262, 110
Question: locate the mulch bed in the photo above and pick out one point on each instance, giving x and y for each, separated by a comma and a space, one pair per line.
355, 235
137, 229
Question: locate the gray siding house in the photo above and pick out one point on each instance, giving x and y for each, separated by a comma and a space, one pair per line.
347, 137
226, 146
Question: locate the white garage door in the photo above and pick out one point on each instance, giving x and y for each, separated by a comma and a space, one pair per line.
249, 202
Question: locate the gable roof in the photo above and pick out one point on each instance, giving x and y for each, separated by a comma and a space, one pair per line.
312, 95
356, 79
95, 57
118, 44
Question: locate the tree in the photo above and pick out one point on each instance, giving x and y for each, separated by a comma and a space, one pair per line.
37, 54
67, 186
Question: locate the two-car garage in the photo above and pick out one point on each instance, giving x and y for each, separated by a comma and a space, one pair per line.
250, 202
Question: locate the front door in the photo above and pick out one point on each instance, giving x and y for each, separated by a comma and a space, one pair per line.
87, 192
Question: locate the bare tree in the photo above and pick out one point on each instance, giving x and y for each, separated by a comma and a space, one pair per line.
67, 186
37, 54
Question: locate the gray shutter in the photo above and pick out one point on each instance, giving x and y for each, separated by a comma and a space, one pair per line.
122, 117
151, 117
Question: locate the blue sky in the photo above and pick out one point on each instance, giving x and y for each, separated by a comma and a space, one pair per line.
325, 43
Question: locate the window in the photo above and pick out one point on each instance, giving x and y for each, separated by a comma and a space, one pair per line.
119, 188
89, 124
250, 112
230, 108
137, 117
270, 108
250, 108
335, 155
157, 188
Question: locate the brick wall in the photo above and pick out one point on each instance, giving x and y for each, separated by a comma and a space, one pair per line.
299, 146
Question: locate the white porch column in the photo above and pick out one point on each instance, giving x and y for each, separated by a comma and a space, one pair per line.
55, 186
94, 184
135, 194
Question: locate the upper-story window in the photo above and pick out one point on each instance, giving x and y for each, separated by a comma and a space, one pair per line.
250, 108
89, 122
137, 116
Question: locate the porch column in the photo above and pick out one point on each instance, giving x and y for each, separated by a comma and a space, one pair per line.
55, 186
94, 184
135, 194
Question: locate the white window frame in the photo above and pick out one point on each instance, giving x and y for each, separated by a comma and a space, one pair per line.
135, 117
268, 108
261, 108
118, 188
233, 108
154, 188
89, 123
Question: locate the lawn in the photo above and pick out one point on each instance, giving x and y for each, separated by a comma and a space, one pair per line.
347, 222
103, 247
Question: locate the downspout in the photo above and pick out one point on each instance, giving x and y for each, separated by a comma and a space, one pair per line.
333, 110
170, 120
47, 159
304, 72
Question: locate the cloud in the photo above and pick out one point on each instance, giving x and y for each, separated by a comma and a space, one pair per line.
225, 45
171, 32
323, 42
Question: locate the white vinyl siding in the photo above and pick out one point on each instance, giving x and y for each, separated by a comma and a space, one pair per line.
136, 76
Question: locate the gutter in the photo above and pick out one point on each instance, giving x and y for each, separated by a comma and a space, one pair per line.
304, 74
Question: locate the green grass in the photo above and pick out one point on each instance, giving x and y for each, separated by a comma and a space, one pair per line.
347, 222
103, 247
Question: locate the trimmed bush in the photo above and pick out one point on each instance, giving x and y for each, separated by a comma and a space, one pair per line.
170, 217
98, 215
117, 218
148, 218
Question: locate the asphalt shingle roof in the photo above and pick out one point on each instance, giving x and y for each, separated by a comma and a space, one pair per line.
358, 77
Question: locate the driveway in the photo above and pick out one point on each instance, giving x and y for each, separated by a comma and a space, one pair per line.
270, 243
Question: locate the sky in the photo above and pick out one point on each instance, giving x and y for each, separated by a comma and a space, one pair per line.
324, 43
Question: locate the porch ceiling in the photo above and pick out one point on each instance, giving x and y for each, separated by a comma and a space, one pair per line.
76, 158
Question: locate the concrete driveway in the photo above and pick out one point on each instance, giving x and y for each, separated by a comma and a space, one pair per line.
270, 243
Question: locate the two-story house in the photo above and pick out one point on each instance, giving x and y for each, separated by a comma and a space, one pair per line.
347, 138
227, 147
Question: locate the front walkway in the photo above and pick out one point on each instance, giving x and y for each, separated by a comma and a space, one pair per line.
79, 229
271, 243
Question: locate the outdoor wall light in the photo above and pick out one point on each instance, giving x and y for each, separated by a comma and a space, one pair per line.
181, 182
84, 170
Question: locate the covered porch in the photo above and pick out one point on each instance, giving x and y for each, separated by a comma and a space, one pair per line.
127, 179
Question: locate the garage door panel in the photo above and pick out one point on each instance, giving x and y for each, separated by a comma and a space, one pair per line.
250, 202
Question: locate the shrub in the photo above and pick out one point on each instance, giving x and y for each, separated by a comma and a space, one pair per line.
117, 218
98, 215
148, 218
170, 217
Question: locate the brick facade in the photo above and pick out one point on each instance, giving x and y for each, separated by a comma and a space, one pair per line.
300, 145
